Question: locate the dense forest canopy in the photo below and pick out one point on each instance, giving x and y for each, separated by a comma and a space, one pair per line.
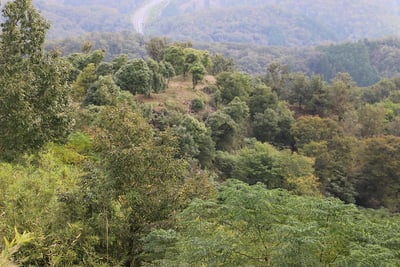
165, 154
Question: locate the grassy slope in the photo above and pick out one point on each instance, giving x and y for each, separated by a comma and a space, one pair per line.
179, 94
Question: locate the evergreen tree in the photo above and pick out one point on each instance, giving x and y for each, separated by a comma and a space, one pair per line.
34, 102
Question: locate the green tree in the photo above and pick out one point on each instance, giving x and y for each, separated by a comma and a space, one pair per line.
157, 81
141, 178
261, 98
83, 82
195, 140
175, 56
155, 48
81, 60
135, 77
102, 92
376, 179
276, 77
118, 62
339, 92
104, 69
371, 119
232, 85
223, 129
334, 164
299, 90
273, 125
318, 104
309, 128
237, 109
263, 163
221, 64
198, 71
167, 70
34, 102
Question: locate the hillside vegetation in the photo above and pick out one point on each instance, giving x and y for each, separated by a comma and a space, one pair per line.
71, 18
178, 159
367, 61
282, 23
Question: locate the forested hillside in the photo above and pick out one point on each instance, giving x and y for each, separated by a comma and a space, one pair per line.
367, 61
173, 157
283, 23
71, 18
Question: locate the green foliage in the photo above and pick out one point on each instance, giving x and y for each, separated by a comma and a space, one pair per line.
134, 186
34, 107
223, 129
237, 110
157, 80
339, 94
104, 91
273, 125
319, 103
376, 167
81, 60
83, 82
371, 120
196, 105
263, 163
276, 77
198, 71
334, 163
194, 140
40, 199
251, 226
176, 57
261, 98
309, 128
350, 57
104, 69
221, 64
155, 48
141, 178
233, 85
12, 247
135, 77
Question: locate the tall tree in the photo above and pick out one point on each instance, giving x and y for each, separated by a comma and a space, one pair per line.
141, 178
34, 102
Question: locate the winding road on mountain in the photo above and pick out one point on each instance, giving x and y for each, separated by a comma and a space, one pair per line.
141, 15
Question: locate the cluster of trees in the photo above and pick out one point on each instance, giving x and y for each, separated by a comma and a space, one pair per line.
269, 174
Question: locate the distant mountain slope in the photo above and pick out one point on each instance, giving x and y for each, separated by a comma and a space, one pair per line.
71, 18
263, 22
273, 22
